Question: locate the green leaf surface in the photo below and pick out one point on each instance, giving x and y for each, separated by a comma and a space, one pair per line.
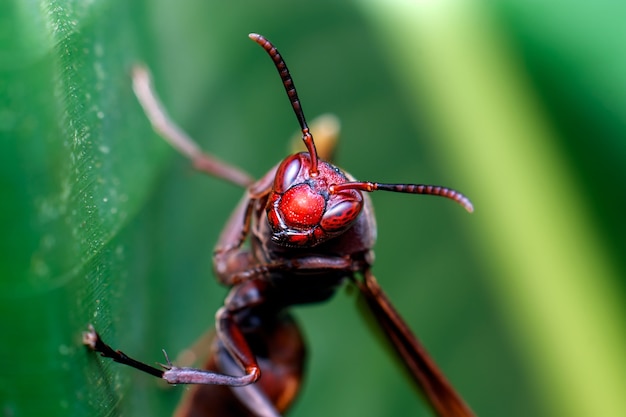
68, 191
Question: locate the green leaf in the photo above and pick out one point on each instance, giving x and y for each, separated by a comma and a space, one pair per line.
73, 175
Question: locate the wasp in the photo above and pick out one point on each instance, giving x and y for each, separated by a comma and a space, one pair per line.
309, 228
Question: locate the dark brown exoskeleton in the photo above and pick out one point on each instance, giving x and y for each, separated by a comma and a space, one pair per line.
310, 229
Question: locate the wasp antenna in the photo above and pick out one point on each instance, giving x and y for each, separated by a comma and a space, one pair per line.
290, 87
406, 188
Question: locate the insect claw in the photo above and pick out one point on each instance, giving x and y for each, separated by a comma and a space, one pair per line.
90, 337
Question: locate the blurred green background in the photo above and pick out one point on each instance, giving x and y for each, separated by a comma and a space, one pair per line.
521, 105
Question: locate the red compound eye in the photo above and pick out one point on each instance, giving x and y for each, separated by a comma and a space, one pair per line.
341, 214
288, 173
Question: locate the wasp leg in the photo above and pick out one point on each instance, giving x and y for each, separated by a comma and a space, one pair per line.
175, 136
92, 339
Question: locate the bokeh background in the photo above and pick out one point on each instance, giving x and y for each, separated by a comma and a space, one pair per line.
520, 104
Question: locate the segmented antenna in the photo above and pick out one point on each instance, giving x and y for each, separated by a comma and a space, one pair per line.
290, 88
406, 188
293, 96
